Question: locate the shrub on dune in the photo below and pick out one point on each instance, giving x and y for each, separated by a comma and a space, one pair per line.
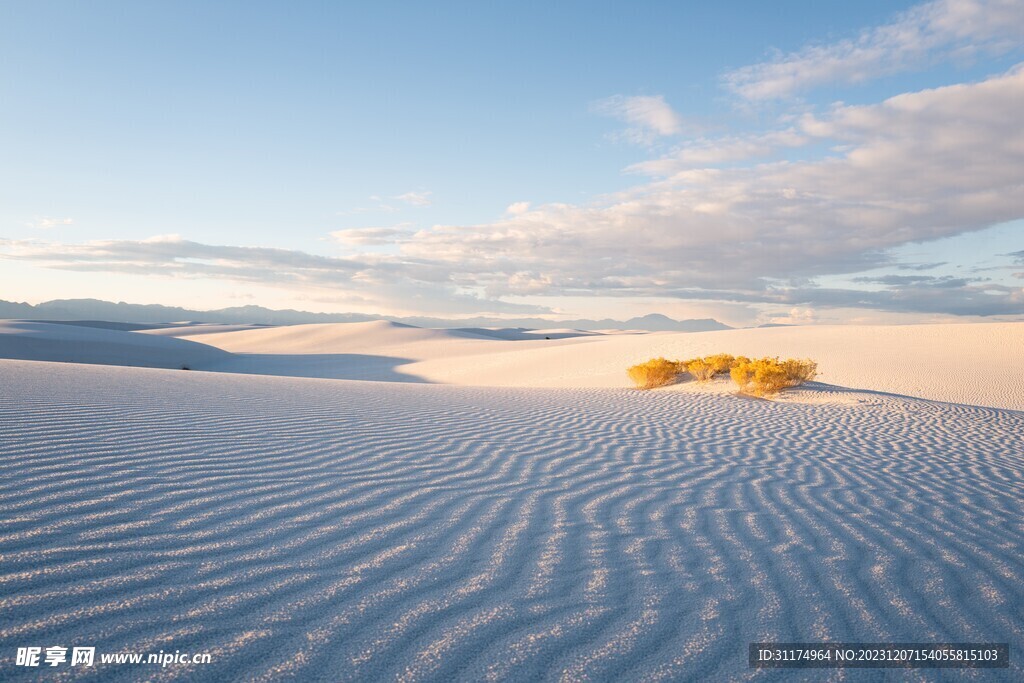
701, 370
769, 376
656, 372
742, 373
682, 366
799, 371
759, 377
709, 367
721, 362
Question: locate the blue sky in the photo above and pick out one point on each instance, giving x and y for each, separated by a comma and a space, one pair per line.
754, 162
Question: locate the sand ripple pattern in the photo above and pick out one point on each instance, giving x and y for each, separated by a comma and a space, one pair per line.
347, 531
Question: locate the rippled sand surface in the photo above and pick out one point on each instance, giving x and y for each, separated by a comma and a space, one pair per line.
334, 530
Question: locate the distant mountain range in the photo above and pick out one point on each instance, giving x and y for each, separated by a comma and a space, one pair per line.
94, 309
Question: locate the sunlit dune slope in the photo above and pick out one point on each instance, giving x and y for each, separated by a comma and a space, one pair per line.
980, 364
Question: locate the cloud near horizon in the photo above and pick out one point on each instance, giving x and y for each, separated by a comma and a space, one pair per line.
379, 282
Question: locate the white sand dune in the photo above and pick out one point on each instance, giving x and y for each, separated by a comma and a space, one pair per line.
71, 343
978, 364
975, 364
522, 334
332, 338
190, 329
322, 530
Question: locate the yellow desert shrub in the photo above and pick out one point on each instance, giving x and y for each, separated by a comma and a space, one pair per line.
742, 373
708, 367
760, 377
799, 371
721, 362
701, 370
737, 362
768, 376
683, 366
656, 372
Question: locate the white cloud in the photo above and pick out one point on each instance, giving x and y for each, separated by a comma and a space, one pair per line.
794, 316
936, 30
649, 117
707, 152
419, 198
172, 238
47, 222
373, 236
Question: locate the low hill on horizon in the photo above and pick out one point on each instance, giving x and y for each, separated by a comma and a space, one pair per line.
96, 309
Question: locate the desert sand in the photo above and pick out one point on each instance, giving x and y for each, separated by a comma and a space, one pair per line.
494, 505
974, 364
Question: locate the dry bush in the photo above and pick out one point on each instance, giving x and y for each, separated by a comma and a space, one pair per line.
760, 377
742, 373
768, 376
799, 371
656, 372
682, 366
709, 367
721, 362
701, 370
